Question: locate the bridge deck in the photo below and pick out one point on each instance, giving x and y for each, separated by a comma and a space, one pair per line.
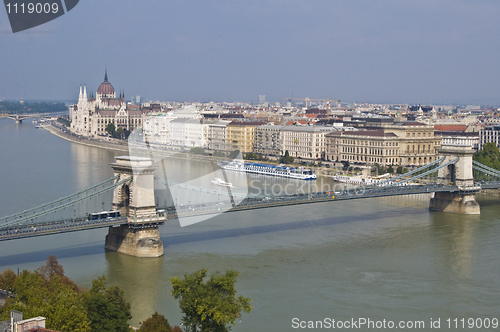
64, 226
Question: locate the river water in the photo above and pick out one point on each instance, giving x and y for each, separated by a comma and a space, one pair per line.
379, 259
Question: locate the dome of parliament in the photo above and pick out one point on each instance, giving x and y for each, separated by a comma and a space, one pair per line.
106, 88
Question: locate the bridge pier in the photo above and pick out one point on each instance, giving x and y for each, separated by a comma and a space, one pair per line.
140, 237
463, 200
455, 203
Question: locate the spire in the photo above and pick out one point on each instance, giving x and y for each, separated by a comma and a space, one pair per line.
106, 75
85, 91
80, 95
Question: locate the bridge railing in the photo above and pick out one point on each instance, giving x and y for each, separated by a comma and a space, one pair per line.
58, 227
29, 217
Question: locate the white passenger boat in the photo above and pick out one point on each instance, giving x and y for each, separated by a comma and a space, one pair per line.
265, 169
362, 180
220, 182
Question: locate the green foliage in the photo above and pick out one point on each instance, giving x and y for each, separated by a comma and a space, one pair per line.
106, 307
254, 156
64, 121
65, 308
117, 133
489, 156
209, 306
234, 154
14, 107
156, 323
197, 151
49, 293
111, 130
345, 164
378, 169
390, 170
219, 154
7, 280
122, 133
286, 159
399, 170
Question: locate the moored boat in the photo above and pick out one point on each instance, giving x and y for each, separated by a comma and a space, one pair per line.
220, 182
265, 169
362, 180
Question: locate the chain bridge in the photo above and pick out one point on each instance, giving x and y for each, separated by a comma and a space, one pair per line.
134, 217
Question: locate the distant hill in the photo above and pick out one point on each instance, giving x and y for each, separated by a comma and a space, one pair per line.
16, 107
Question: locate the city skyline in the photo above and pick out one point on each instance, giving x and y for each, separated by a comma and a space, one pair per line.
382, 52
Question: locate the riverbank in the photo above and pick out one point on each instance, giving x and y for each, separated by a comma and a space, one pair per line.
109, 145
123, 146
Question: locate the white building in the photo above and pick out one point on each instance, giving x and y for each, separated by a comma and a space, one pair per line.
91, 115
158, 128
188, 133
217, 135
489, 134
306, 142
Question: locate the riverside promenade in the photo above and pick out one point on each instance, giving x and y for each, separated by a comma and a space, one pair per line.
105, 143
123, 146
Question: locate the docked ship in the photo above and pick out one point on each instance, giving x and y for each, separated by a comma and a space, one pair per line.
265, 169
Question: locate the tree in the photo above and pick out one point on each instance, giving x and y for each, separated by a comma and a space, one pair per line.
111, 130
378, 169
156, 323
197, 150
7, 280
209, 306
390, 170
51, 268
64, 121
107, 309
345, 164
489, 155
49, 293
122, 133
234, 154
286, 159
399, 170
65, 308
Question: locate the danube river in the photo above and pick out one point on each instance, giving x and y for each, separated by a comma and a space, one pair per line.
374, 259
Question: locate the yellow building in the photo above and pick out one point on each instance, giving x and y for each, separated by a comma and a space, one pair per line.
418, 145
241, 135
405, 144
363, 147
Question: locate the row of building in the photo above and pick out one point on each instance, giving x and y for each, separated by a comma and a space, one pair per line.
364, 140
406, 143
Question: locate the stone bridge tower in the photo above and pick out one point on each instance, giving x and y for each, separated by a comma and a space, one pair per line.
140, 236
460, 175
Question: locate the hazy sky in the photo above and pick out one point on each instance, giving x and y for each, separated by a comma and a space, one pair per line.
432, 51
